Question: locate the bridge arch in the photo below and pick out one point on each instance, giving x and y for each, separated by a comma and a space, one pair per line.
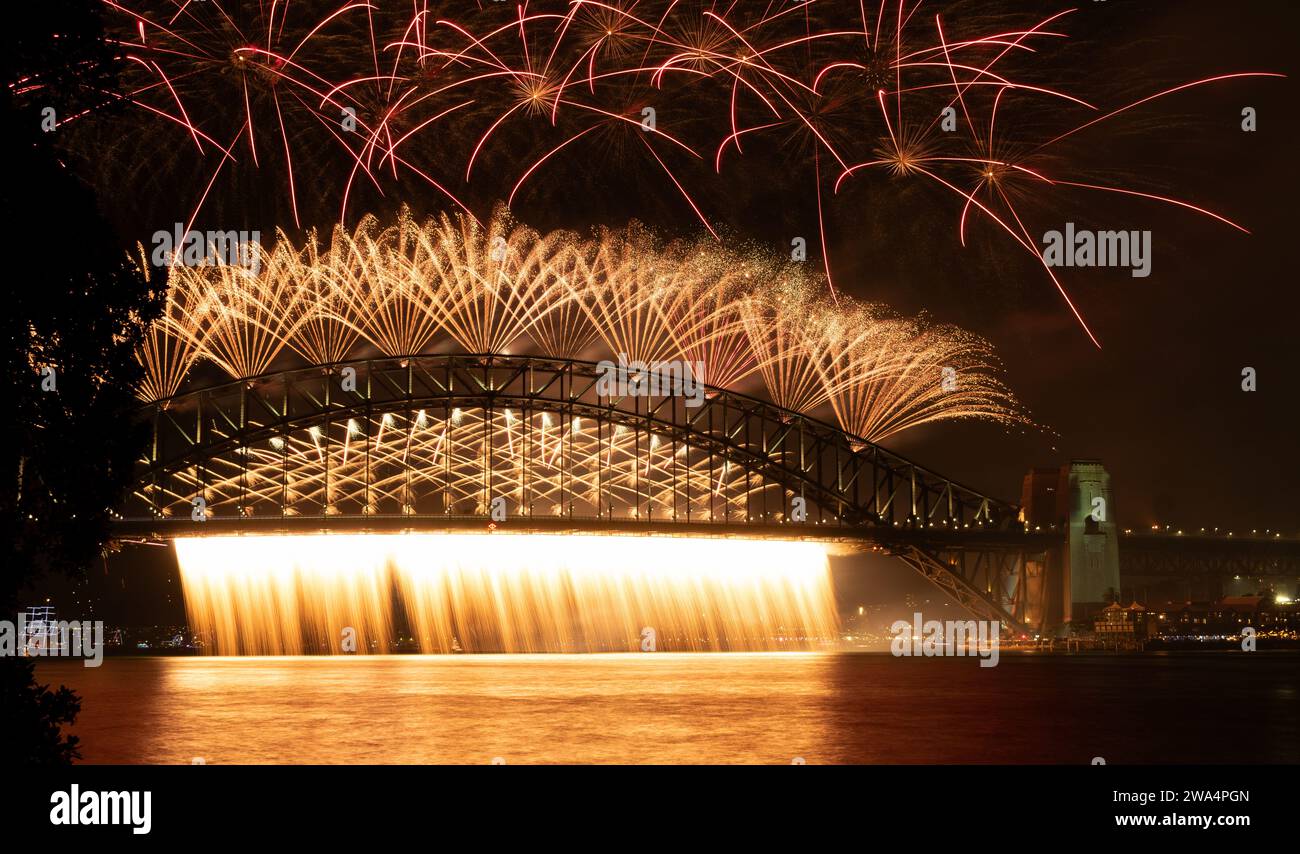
436, 441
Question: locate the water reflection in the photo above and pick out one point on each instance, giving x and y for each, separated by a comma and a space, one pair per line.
670, 708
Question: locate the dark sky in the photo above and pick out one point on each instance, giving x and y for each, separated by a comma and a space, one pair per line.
1160, 403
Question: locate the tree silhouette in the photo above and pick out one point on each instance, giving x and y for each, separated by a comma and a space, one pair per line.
36, 715
76, 309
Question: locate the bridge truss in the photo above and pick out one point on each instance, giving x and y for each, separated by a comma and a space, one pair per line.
443, 441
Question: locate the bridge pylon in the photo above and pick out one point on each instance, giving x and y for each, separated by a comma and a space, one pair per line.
1073, 579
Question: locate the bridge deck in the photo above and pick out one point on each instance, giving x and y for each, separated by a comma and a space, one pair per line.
855, 537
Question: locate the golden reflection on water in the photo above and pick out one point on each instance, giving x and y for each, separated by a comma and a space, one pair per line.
685, 708
522, 709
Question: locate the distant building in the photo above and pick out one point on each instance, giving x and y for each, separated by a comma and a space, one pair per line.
1267, 614
1120, 624
1242, 606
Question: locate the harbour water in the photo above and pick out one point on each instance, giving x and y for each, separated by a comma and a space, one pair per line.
779, 708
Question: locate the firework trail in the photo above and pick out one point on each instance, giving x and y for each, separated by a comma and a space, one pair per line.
314, 111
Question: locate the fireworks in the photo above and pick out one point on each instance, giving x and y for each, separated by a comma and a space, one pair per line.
418, 287
412, 287
480, 102
295, 595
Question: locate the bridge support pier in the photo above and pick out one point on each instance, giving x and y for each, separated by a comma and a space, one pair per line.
1075, 578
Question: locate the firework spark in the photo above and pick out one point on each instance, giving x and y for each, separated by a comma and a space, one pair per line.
486, 103
414, 286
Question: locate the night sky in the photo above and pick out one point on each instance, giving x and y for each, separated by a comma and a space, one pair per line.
1160, 403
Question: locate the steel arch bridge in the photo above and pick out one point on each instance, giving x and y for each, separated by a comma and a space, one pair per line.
528, 443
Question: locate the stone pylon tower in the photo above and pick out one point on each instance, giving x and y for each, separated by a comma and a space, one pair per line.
1092, 536
1074, 579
